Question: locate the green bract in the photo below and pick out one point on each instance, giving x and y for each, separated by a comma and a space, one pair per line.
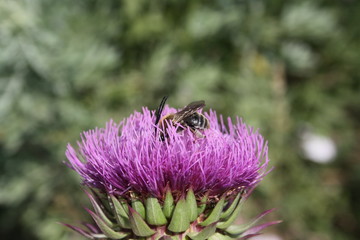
182, 218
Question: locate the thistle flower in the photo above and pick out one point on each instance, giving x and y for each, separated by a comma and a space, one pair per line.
183, 187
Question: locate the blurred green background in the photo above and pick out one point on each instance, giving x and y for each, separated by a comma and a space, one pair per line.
289, 68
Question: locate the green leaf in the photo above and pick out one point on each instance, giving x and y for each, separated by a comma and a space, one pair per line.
219, 236
204, 234
121, 214
192, 205
168, 204
103, 202
233, 205
154, 214
138, 225
110, 233
100, 236
238, 229
99, 210
215, 214
235, 229
180, 219
138, 206
234, 214
202, 204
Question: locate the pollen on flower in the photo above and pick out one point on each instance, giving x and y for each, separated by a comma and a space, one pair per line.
128, 157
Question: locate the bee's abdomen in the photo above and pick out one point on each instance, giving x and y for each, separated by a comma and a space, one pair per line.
197, 121
204, 122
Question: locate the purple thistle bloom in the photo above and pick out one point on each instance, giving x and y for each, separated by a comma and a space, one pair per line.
128, 157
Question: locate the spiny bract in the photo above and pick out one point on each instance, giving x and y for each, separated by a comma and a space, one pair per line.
183, 187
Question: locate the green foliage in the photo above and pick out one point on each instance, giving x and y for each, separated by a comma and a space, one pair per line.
67, 66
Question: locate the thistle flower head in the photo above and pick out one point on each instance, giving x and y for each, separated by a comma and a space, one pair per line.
182, 187
128, 157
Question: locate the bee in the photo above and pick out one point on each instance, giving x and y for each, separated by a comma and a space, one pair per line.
186, 117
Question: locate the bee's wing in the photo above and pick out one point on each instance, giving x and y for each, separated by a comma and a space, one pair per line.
188, 110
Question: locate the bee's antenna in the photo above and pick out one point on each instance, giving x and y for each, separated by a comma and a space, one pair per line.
160, 109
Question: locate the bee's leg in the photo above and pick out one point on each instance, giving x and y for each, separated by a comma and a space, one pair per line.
197, 133
162, 137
